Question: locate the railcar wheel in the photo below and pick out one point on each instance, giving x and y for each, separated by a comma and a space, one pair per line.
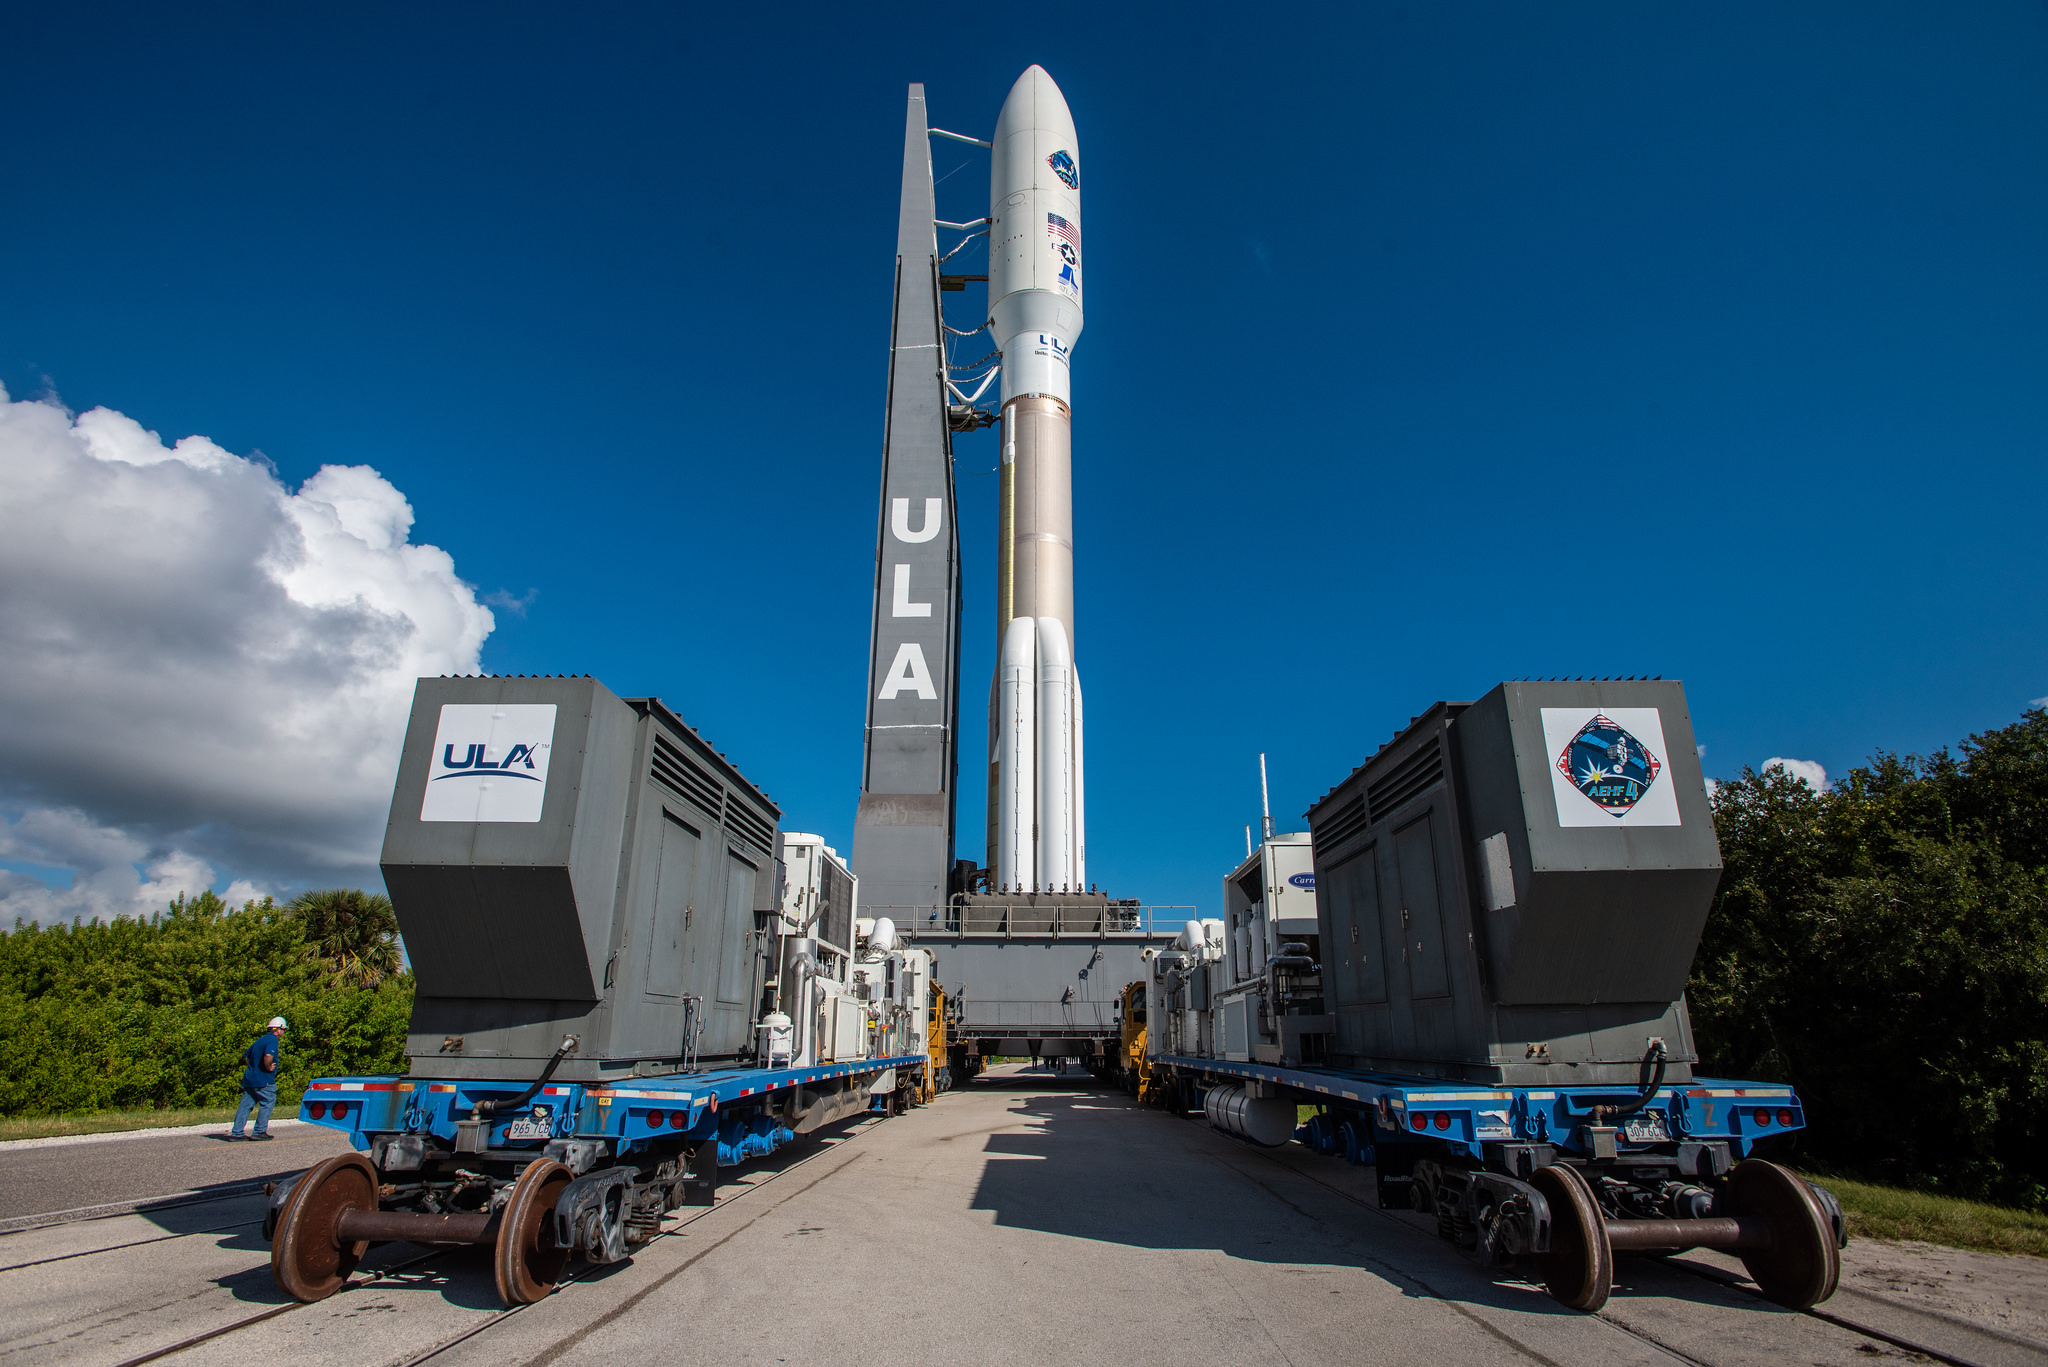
1579, 1269
1801, 1267
527, 1259
306, 1261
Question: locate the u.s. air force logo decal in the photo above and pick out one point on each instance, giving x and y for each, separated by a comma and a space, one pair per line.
1610, 766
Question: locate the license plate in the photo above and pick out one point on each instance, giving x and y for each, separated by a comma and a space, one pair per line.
541, 1129
1647, 1128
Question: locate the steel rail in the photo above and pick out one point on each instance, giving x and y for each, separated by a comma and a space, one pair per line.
1692, 1270
132, 1243
495, 1319
487, 1325
274, 1311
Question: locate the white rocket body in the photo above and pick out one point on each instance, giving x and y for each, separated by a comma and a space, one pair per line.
1034, 238
1038, 839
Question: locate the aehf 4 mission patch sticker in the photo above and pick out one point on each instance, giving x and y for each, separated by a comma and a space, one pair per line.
1607, 766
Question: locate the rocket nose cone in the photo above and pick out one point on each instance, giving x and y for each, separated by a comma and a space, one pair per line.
1035, 101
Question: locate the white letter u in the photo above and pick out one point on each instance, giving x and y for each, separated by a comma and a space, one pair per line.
899, 519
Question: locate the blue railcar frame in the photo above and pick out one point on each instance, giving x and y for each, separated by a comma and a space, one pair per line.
1703, 1110
366, 1107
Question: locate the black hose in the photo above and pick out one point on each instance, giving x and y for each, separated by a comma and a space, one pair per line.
1649, 1077
492, 1107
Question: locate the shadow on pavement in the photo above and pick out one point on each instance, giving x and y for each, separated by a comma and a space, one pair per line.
1104, 1168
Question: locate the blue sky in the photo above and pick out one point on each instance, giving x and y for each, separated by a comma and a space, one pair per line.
1427, 346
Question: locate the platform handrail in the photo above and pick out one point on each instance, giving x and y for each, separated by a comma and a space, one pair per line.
1118, 918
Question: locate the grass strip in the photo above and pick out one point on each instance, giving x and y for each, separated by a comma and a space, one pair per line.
109, 1122
1877, 1212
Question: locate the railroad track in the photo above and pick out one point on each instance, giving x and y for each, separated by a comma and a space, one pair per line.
1996, 1348
1885, 1324
132, 1243
676, 1222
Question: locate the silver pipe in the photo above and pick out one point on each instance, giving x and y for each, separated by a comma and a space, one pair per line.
1265, 802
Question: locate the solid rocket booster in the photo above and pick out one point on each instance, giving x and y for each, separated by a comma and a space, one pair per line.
1034, 289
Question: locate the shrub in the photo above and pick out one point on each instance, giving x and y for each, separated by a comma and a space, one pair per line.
156, 1012
1883, 946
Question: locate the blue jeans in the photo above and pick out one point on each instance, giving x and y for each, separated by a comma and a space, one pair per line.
264, 1099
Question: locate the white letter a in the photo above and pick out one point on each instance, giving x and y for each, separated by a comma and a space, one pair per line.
908, 672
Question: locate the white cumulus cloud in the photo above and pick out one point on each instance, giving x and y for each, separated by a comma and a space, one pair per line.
203, 668
1805, 770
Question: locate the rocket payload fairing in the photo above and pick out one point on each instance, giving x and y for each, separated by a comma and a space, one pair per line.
1038, 835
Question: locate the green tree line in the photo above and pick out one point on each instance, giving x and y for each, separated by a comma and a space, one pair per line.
155, 1012
1883, 946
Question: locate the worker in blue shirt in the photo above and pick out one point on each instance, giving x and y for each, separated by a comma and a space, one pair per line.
259, 1079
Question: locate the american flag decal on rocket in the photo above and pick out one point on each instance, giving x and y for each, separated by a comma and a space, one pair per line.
1060, 228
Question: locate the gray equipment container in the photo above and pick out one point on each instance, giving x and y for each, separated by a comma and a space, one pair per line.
1511, 891
563, 861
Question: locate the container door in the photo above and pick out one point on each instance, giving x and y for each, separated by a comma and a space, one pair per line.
739, 931
674, 897
1421, 911
1353, 893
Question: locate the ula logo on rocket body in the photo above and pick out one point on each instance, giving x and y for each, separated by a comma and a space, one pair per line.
1063, 166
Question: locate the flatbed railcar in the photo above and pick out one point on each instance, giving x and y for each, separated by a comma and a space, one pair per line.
570, 1169
622, 988
1485, 1000
1521, 1172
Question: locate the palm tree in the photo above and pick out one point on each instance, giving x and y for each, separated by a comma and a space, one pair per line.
354, 933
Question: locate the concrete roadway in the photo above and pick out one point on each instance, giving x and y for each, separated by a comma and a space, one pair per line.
90, 1170
1023, 1220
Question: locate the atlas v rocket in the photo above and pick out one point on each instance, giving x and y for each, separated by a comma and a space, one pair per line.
904, 829
1038, 835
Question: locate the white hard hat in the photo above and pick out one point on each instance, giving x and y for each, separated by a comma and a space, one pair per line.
276, 1023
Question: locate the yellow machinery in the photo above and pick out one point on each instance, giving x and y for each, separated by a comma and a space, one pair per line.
1134, 1070
936, 1045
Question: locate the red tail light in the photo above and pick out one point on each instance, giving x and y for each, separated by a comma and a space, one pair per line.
678, 1119
317, 1109
1419, 1120
1443, 1120
655, 1118
1785, 1117
1763, 1117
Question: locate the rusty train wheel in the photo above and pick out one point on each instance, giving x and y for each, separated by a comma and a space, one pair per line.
1579, 1269
307, 1262
527, 1259
1801, 1267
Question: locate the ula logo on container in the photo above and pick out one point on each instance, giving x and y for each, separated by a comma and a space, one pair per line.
490, 762
1304, 880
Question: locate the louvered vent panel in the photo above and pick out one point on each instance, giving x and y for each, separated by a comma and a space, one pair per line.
674, 770
743, 822
1411, 776
1345, 824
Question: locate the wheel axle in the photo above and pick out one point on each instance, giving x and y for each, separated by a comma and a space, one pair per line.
1781, 1229
330, 1219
